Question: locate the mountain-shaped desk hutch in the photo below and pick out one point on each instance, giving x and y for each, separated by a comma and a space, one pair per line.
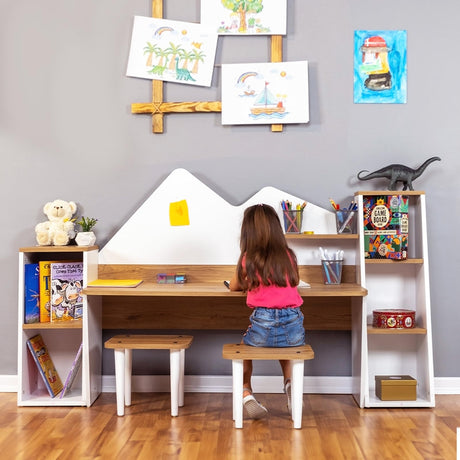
158, 107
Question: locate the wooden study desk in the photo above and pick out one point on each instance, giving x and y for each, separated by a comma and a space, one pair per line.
203, 302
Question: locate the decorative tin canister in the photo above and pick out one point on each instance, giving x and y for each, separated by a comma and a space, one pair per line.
394, 318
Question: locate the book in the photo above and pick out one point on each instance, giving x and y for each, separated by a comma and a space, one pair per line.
72, 373
31, 293
45, 365
66, 286
45, 292
114, 283
386, 226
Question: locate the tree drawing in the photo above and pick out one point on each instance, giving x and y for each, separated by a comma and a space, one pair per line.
197, 56
150, 50
242, 8
173, 50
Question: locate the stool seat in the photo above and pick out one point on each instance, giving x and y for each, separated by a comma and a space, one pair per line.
123, 345
238, 352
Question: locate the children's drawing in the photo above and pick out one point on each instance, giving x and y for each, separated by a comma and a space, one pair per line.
178, 213
380, 66
265, 93
245, 17
174, 51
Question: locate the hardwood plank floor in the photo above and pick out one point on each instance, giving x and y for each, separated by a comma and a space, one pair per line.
333, 427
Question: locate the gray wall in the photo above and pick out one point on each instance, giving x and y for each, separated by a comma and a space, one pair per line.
66, 131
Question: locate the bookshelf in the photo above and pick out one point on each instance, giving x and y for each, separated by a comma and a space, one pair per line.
62, 338
397, 284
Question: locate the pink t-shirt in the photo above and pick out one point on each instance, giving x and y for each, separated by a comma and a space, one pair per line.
273, 296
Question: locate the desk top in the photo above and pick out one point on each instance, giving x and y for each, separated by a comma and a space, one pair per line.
190, 289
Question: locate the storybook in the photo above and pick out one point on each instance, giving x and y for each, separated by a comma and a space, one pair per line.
45, 365
31, 293
72, 373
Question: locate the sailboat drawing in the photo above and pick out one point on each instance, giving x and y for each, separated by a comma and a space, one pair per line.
266, 103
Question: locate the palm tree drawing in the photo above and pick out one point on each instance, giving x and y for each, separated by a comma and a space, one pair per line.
150, 50
197, 57
173, 50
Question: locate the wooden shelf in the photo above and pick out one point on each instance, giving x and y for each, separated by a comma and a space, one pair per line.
390, 331
58, 248
314, 236
54, 325
391, 261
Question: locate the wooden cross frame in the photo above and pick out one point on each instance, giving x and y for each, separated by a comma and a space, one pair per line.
158, 108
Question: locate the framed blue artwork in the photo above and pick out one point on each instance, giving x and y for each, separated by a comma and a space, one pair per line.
380, 67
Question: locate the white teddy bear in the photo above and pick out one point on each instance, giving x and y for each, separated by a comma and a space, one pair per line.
59, 229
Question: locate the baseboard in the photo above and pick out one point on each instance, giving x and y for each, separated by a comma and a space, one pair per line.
223, 384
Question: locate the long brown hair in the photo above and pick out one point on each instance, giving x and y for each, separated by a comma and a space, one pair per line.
269, 260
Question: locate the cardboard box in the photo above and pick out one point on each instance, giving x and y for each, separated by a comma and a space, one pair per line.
386, 226
395, 387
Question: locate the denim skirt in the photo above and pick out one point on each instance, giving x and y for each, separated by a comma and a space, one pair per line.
274, 327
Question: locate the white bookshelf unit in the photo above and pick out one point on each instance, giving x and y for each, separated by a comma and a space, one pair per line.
397, 284
62, 339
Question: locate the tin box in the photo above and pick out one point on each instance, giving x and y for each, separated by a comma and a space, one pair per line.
395, 387
393, 318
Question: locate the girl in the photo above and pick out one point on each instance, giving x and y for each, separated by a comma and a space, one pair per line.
267, 270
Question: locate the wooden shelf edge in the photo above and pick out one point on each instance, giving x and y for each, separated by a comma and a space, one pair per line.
390, 331
324, 236
393, 261
58, 248
61, 325
390, 192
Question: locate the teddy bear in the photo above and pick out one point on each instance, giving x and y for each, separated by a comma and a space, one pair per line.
59, 229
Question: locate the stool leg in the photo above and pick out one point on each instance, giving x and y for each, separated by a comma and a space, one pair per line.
237, 370
181, 377
174, 364
297, 391
119, 355
128, 373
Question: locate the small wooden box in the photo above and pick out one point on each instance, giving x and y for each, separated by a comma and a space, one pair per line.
395, 387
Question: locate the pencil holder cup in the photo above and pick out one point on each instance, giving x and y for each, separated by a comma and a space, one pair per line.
346, 221
332, 271
293, 221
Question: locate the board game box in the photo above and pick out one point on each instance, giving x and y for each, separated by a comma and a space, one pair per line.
386, 226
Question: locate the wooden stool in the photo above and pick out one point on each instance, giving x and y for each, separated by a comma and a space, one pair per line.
240, 352
123, 345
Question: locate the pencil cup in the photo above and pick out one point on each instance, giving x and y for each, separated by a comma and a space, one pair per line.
293, 221
346, 221
332, 271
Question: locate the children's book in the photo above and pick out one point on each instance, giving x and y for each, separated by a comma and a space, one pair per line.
114, 283
31, 293
72, 373
45, 365
66, 287
45, 305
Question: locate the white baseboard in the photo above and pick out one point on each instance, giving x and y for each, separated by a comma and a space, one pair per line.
223, 384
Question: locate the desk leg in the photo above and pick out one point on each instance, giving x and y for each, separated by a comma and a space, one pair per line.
119, 355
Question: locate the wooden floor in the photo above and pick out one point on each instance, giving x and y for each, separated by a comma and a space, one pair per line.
333, 428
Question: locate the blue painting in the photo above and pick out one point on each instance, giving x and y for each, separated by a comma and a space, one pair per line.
380, 67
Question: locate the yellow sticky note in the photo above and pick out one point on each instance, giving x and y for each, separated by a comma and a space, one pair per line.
178, 213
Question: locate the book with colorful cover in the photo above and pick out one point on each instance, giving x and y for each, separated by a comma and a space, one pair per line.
72, 373
386, 226
45, 292
66, 291
31, 293
45, 365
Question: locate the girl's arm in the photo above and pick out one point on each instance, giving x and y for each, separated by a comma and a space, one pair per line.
235, 284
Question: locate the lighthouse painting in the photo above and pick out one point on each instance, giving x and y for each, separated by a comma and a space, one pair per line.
380, 66
265, 93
